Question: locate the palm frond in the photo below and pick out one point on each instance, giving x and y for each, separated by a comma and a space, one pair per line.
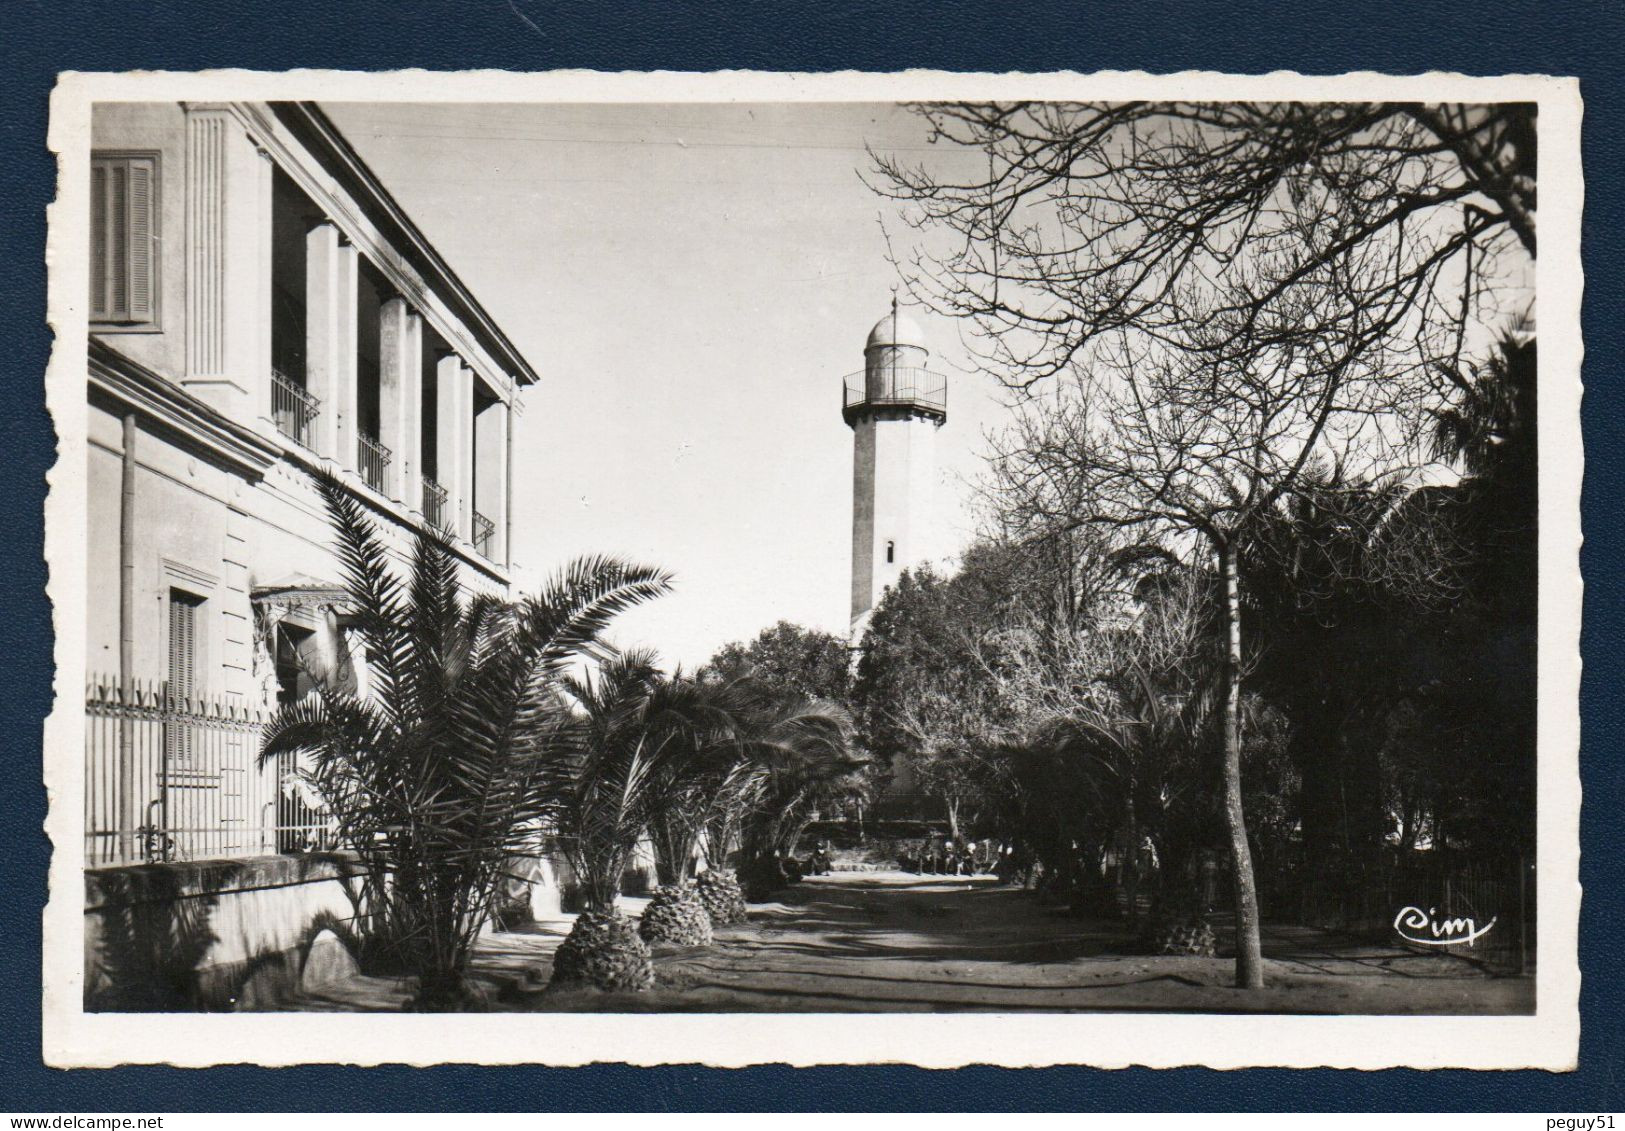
376, 593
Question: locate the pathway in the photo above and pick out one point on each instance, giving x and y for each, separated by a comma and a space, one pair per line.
892, 941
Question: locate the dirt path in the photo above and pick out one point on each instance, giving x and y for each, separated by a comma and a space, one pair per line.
872, 942
890, 941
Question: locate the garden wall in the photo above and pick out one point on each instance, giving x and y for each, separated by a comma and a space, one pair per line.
227, 934
213, 934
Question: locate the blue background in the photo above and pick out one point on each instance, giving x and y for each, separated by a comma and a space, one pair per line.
40, 38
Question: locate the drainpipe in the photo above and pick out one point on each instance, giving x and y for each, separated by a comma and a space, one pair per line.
126, 642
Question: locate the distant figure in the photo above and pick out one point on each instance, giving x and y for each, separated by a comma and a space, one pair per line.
819, 863
1209, 868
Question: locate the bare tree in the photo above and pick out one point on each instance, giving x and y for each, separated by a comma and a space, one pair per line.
1203, 302
1095, 217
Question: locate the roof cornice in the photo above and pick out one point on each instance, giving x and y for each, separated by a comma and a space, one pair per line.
138, 387
317, 133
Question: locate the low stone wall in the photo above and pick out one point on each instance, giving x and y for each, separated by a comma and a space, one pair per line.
213, 934
231, 934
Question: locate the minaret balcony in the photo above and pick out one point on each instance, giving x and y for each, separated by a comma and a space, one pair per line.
905, 387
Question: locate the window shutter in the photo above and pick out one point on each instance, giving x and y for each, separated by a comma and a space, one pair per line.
182, 673
118, 197
140, 267
123, 235
182, 645
98, 240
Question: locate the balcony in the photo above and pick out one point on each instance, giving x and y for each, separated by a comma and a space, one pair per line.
292, 408
372, 460
485, 535
895, 386
436, 504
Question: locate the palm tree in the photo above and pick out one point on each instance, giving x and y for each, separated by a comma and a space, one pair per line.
711, 761
1487, 693
1489, 425
635, 725
446, 773
668, 755
804, 758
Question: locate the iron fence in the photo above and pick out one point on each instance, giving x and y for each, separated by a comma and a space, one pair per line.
169, 778
372, 460
485, 533
435, 498
292, 408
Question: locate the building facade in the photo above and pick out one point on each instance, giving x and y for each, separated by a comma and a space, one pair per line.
261, 310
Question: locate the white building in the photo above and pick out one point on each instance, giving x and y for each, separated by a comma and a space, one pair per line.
261, 308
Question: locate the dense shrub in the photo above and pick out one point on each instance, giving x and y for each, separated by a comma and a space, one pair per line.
1180, 926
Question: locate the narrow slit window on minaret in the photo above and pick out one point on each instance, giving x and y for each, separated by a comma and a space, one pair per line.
891, 552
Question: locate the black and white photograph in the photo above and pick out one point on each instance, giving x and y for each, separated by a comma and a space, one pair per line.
1083, 567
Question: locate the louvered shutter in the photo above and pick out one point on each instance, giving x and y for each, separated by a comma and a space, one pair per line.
182, 644
123, 233
182, 669
98, 240
140, 226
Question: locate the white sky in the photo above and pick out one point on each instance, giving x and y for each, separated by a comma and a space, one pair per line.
691, 282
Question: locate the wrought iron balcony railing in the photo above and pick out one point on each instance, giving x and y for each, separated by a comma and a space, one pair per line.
372, 460
894, 386
435, 509
292, 408
485, 534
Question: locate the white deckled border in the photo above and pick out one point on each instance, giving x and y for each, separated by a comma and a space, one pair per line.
1549, 1039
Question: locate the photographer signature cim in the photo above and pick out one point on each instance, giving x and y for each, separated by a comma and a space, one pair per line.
1425, 929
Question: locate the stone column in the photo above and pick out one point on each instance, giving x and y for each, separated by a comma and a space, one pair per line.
413, 415
491, 474
400, 396
330, 312
346, 411
228, 282
466, 440
450, 460
507, 479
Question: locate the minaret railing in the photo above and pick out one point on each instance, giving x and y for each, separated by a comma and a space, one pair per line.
899, 385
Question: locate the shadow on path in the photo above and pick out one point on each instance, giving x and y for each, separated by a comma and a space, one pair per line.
875, 942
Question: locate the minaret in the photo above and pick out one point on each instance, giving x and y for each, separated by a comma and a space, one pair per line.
894, 406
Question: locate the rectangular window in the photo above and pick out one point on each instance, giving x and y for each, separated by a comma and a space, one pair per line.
124, 239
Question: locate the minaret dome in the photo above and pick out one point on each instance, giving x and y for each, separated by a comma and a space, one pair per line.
896, 329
